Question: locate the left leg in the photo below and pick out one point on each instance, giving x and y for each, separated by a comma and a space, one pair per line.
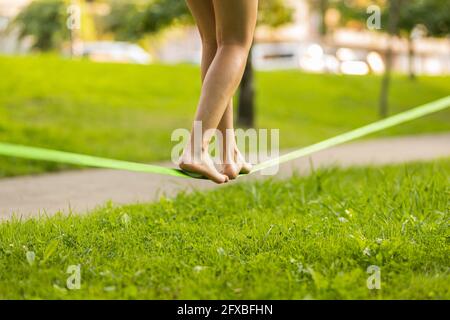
203, 13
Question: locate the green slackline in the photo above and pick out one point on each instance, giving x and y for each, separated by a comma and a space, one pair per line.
397, 119
20, 151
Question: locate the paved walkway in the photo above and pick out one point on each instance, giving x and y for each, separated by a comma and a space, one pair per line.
80, 191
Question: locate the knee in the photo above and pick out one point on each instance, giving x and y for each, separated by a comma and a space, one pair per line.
243, 40
209, 46
240, 43
238, 50
209, 42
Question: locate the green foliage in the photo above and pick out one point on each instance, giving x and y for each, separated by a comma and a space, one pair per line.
132, 21
302, 238
433, 14
274, 13
45, 21
129, 112
125, 20
352, 10
162, 13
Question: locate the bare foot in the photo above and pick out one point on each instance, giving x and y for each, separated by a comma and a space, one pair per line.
204, 167
238, 165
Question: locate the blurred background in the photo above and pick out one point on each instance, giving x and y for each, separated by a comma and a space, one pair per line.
311, 35
114, 78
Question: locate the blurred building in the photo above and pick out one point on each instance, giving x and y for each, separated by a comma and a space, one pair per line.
9, 42
10, 8
343, 50
298, 45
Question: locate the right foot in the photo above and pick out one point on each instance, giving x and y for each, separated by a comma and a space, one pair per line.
236, 166
204, 167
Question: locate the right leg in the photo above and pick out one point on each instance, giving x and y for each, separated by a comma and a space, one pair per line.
235, 24
235, 20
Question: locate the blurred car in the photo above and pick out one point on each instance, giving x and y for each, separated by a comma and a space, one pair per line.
275, 56
112, 51
352, 61
313, 57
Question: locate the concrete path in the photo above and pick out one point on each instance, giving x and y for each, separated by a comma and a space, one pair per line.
80, 191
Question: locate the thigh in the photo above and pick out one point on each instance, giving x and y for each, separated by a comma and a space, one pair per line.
203, 13
235, 21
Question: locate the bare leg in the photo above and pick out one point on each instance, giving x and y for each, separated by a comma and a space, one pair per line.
232, 159
203, 13
235, 22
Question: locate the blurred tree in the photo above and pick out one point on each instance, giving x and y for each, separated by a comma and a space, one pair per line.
45, 21
403, 18
423, 17
132, 20
125, 20
393, 22
356, 10
321, 6
162, 13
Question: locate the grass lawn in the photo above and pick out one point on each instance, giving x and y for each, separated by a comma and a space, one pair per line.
306, 237
128, 112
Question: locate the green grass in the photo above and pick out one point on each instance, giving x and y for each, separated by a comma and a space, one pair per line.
128, 112
306, 237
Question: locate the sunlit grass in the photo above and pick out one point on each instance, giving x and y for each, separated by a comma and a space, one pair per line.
310, 237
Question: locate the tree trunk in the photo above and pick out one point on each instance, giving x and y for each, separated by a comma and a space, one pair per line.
246, 106
323, 7
411, 56
394, 14
385, 83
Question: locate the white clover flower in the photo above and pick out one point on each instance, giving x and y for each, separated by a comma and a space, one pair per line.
342, 219
125, 219
199, 268
31, 256
221, 251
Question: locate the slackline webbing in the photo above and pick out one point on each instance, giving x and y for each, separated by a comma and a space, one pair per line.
392, 121
42, 154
